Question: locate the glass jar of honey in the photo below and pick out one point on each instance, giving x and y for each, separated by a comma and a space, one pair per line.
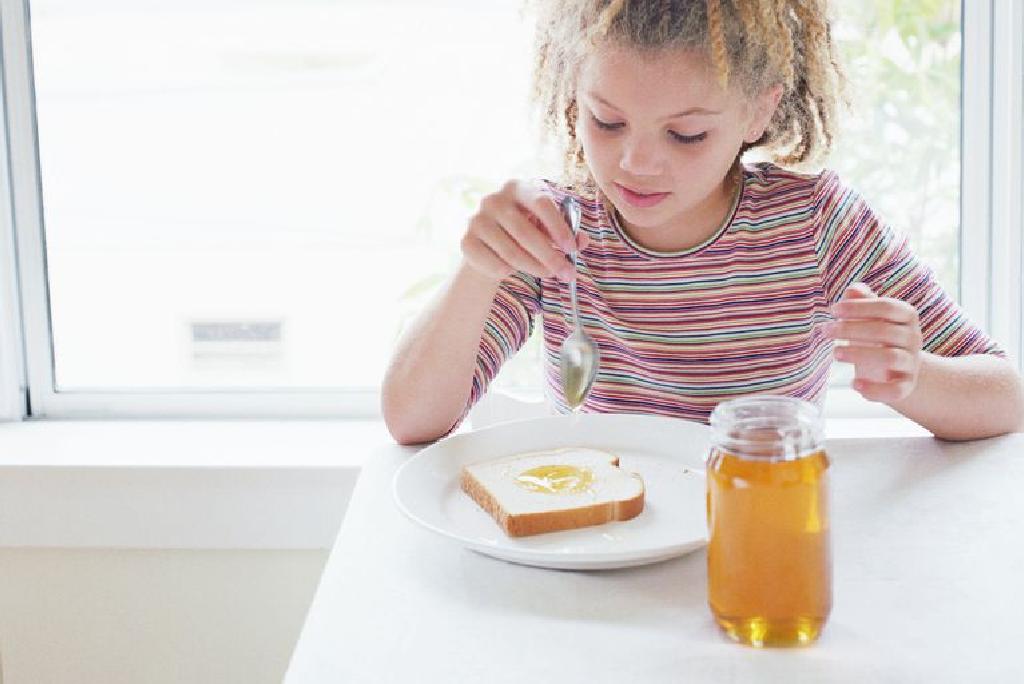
769, 553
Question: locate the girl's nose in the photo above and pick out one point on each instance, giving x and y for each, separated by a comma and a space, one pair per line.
639, 158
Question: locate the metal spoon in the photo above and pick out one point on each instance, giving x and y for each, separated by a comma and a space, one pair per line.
578, 356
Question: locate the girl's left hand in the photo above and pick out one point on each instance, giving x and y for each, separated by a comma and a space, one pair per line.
884, 343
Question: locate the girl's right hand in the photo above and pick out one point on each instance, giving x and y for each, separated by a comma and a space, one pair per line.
520, 228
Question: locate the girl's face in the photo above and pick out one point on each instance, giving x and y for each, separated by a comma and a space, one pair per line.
660, 135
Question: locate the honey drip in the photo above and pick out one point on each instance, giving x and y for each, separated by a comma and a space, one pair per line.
556, 479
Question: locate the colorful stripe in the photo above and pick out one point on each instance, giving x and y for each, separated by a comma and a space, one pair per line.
679, 333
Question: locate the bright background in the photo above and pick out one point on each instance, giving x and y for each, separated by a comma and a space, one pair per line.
296, 176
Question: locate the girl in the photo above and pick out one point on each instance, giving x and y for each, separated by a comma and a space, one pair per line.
700, 278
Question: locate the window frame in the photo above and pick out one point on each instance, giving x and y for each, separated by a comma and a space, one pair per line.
1006, 250
991, 256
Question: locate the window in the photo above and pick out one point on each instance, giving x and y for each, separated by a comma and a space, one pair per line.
233, 207
254, 195
900, 145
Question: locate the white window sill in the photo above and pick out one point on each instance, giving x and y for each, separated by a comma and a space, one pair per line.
189, 444
179, 484
203, 484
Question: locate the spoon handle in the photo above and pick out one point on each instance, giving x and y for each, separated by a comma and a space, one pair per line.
572, 296
571, 211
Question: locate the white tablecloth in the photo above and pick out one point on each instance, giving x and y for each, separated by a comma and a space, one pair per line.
928, 548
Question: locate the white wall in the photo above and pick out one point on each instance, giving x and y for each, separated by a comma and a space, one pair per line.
147, 552
109, 616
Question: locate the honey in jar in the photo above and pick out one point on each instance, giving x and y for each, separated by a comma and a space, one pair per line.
769, 555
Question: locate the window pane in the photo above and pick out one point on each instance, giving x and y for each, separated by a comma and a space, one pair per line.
900, 144
242, 193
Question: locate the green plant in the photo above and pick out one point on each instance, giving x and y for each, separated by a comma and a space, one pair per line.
900, 146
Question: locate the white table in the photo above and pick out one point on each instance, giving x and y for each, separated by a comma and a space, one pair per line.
928, 544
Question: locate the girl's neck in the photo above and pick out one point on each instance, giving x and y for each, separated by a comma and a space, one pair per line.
694, 227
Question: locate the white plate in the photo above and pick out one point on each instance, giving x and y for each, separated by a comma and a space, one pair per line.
667, 453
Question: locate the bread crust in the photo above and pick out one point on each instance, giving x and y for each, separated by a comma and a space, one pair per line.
528, 524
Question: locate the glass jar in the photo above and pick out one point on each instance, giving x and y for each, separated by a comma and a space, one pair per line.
769, 552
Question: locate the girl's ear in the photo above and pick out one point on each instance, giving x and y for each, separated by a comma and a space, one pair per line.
764, 108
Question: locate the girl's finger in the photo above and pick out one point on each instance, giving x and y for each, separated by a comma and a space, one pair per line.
484, 260
872, 331
508, 250
534, 241
858, 291
876, 363
881, 308
582, 240
887, 392
543, 208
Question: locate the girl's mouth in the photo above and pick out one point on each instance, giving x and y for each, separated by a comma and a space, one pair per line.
641, 199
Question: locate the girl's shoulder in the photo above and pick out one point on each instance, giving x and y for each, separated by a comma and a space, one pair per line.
768, 180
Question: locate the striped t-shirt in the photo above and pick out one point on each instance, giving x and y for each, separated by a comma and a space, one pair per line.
736, 315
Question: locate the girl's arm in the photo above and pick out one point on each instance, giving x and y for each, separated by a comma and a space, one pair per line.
961, 397
427, 385
965, 397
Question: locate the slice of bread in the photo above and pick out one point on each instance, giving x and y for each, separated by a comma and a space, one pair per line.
547, 491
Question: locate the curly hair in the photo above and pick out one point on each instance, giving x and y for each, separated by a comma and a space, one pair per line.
751, 44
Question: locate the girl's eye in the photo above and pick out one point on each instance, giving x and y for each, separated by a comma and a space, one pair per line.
606, 126
688, 139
